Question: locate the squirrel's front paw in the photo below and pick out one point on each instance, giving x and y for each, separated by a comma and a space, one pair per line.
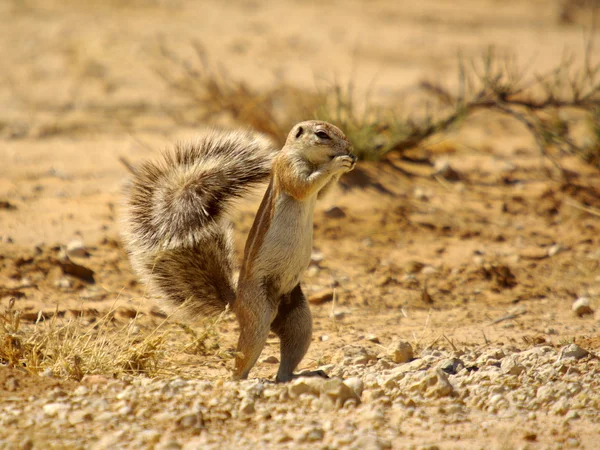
343, 163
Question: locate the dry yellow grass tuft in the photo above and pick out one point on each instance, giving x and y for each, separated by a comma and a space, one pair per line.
73, 348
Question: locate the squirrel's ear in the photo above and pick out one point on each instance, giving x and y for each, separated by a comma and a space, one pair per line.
299, 132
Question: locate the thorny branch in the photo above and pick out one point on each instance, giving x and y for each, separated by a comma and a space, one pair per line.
536, 103
492, 82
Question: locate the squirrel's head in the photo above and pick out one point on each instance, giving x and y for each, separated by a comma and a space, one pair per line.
319, 141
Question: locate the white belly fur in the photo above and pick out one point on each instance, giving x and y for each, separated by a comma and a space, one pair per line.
287, 248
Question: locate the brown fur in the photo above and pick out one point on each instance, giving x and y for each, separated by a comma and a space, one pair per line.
280, 243
178, 235
175, 225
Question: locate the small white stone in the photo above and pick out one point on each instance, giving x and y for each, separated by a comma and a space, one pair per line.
317, 257
554, 249
305, 385
339, 314
53, 409
124, 410
581, 307
312, 271
372, 338
76, 249
356, 384
428, 270
80, 391
420, 194
63, 283
572, 351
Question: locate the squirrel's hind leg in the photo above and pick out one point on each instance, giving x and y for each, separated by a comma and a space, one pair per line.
255, 317
293, 325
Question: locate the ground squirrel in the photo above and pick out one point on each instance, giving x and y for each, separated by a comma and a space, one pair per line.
178, 235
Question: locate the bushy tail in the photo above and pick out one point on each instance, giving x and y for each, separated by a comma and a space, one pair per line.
175, 222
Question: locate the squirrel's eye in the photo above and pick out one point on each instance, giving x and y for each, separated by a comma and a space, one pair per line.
322, 135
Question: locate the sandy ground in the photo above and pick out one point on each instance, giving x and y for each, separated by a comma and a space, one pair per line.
79, 89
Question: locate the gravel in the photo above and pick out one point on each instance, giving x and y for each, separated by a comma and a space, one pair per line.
370, 408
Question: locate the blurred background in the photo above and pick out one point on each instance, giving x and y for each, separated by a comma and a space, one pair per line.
83, 83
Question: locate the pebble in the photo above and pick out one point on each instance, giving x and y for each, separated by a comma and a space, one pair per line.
572, 351
420, 194
247, 406
434, 383
452, 366
372, 338
76, 249
148, 437
125, 410
54, 409
320, 297
80, 416
316, 257
94, 379
356, 384
190, 420
581, 307
335, 392
354, 355
339, 314
168, 444
305, 385
271, 360
561, 407
63, 283
554, 249
105, 416
48, 373
401, 352
367, 409
446, 171
428, 270
510, 366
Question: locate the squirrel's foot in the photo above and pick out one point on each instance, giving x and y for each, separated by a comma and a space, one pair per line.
306, 373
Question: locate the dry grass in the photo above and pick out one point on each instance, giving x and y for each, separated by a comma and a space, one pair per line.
211, 94
546, 104
590, 152
73, 348
493, 82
